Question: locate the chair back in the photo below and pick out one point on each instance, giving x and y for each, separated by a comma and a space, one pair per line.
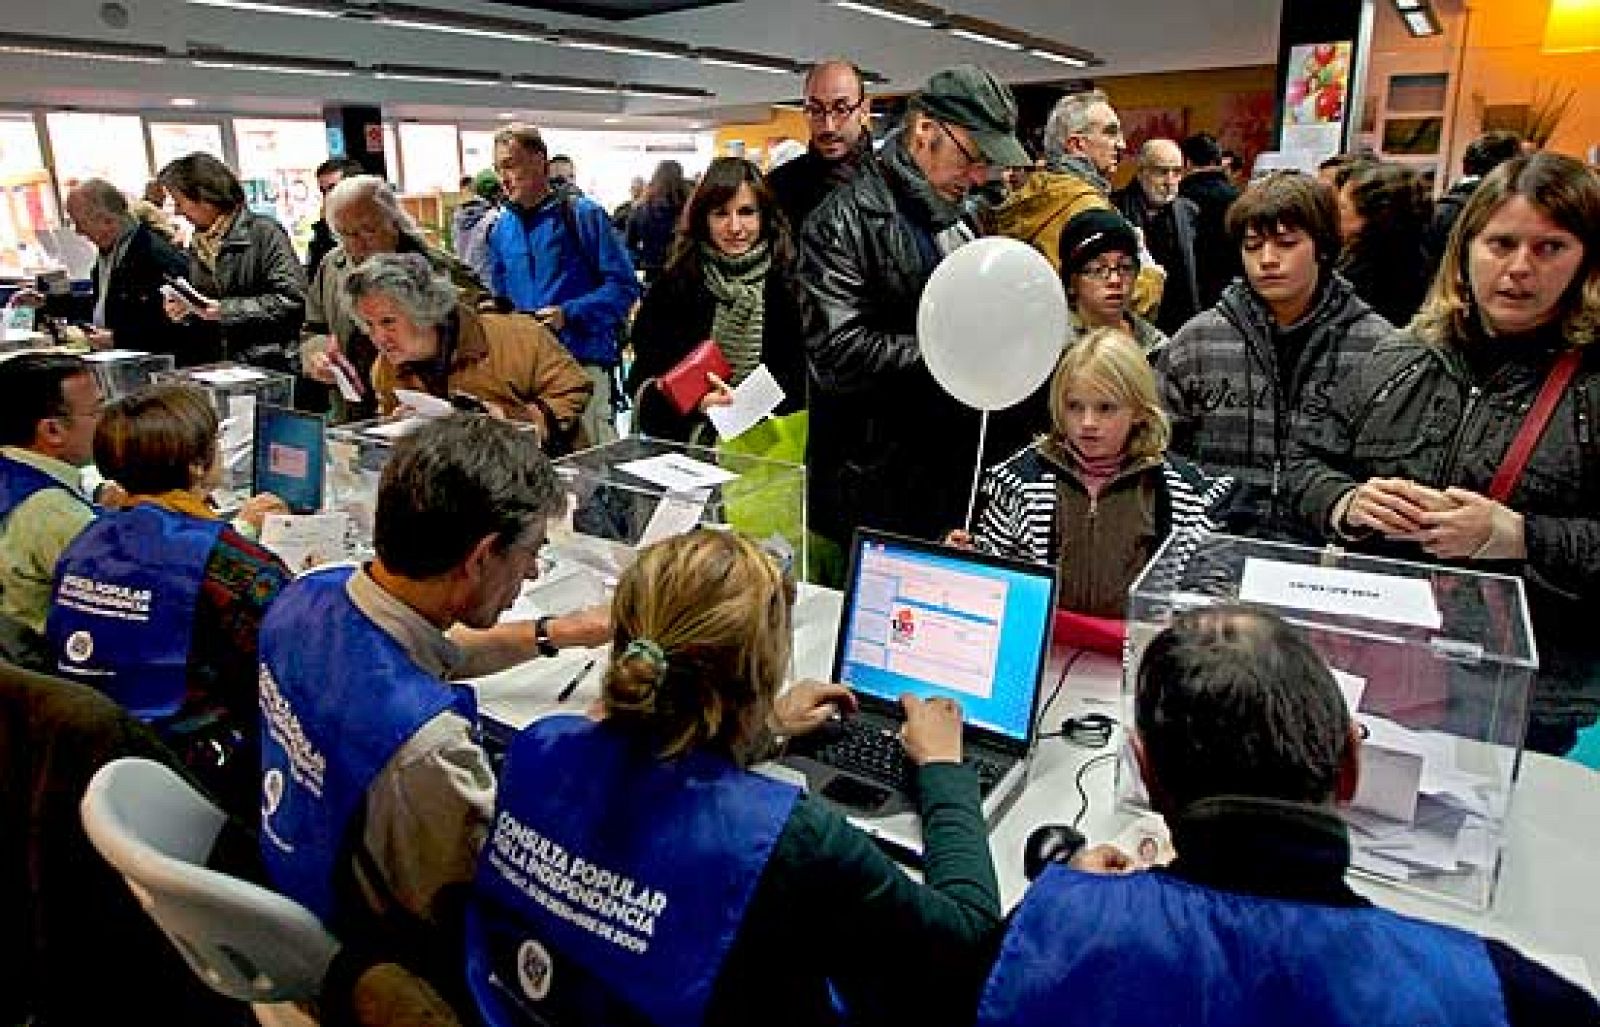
243, 940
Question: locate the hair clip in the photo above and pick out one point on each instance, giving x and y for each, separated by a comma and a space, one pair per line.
650, 652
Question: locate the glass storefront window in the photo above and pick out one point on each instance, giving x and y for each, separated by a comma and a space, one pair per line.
30, 225
108, 146
170, 140
477, 151
278, 160
431, 157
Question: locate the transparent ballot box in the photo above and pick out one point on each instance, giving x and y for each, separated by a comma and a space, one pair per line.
357, 453
629, 493
235, 390
121, 371
1437, 664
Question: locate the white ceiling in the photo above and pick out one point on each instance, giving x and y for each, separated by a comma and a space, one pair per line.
1131, 36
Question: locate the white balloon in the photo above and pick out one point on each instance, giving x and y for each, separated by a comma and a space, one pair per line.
993, 322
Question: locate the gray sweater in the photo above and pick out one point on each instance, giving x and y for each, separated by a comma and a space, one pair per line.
1235, 410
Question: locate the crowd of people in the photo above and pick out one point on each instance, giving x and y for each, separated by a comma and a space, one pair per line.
1327, 358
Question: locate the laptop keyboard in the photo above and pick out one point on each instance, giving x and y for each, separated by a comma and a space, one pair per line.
868, 749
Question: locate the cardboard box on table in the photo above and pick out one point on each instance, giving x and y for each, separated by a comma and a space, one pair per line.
1437, 663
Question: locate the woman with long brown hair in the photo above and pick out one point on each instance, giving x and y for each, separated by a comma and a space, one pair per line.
731, 279
1417, 456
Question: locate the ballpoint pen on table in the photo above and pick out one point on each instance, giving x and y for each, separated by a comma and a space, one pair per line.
572, 686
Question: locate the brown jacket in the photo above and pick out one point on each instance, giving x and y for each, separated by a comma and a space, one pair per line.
509, 360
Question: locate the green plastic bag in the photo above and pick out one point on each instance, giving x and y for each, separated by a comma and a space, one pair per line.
756, 504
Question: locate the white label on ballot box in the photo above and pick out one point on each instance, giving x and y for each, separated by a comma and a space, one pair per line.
228, 376
111, 356
677, 473
1379, 597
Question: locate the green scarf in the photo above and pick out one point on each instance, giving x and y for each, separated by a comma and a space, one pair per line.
739, 285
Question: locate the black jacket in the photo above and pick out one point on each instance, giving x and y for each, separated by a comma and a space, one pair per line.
1216, 257
1445, 211
676, 316
1391, 274
262, 289
888, 447
322, 243
1417, 412
1169, 234
800, 185
134, 311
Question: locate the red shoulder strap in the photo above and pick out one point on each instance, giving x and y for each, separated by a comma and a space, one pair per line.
1533, 426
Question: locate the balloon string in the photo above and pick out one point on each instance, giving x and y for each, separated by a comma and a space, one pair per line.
977, 468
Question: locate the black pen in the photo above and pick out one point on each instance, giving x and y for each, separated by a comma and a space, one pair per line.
572, 686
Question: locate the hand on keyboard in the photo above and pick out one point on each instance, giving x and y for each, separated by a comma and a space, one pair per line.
933, 730
805, 705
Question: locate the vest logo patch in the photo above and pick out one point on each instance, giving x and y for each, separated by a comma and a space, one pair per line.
534, 970
271, 791
80, 646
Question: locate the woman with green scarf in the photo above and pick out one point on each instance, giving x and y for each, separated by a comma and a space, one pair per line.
730, 278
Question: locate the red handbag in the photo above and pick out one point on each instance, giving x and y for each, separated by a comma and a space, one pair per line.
688, 381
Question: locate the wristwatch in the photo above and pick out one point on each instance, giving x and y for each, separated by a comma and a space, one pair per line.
541, 637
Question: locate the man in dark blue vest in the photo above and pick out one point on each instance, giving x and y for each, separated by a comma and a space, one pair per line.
49, 407
375, 793
1244, 743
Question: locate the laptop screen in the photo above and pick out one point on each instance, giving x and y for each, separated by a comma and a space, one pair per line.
935, 621
290, 449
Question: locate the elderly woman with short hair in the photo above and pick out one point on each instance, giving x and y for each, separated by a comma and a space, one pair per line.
367, 219
429, 340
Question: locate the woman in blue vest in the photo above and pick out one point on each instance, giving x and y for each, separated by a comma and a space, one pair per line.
158, 604
1244, 745
638, 872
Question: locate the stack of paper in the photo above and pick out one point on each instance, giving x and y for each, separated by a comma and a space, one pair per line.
1417, 811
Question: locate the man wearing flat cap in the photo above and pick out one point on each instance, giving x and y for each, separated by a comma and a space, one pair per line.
889, 448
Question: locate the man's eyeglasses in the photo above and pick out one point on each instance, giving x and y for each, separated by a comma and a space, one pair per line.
1106, 272
967, 155
838, 110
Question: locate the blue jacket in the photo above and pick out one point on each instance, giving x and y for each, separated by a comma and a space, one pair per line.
534, 263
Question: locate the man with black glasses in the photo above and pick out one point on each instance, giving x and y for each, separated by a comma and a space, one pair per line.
884, 436
838, 115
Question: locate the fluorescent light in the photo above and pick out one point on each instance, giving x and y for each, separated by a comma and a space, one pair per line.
884, 12
514, 35
506, 115
1420, 24
54, 46
256, 64
611, 121
564, 87
1059, 58
621, 48
1408, 5
979, 37
750, 65
267, 7
184, 101
441, 78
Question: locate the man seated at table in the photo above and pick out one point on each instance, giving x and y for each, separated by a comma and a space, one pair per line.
49, 406
1245, 744
375, 792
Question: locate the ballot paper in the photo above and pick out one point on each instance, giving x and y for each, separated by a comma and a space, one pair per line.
675, 514
306, 541
236, 434
1388, 598
677, 473
422, 404
108, 356
1351, 687
395, 429
753, 400
219, 375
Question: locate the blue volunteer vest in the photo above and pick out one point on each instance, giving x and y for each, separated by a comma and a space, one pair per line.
122, 613
613, 883
339, 696
1150, 949
19, 481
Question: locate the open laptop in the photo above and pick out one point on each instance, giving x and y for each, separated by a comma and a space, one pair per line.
927, 619
289, 456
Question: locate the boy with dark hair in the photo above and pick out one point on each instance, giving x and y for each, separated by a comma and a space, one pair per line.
1242, 379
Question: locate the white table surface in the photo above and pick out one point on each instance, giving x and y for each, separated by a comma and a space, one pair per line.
1547, 904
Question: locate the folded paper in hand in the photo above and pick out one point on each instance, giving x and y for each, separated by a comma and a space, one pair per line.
688, 382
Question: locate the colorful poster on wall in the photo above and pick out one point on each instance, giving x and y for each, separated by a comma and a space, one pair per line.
1315, 100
